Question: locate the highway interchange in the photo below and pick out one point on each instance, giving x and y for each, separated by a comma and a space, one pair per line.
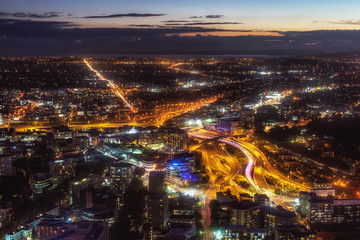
226, 171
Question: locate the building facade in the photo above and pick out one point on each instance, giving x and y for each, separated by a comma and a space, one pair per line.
61, 170
121, 175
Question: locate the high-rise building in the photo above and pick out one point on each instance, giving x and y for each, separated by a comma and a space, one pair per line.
76, 186
245, 213
329, 210
169, 139
87, 196
182, 209
158, 211
41, 182
246, 117
149, 137
174, 139
6, 165
6, 212
81, 143
180, 167
227, 124
121, 175
62, 169
274, 217
7, 134
157, 203
156, 182
256, 215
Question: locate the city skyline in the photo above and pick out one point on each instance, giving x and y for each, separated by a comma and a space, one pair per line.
201, 147
191, 120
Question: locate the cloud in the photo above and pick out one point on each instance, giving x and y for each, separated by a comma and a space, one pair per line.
31, 15
143, 25
23, 37
30, 28
6, 22
202, 23
214, 16
177, 21
209, 16
347, 22
127, 15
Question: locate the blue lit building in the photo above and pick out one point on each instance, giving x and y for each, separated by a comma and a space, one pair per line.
180, 167
21, 234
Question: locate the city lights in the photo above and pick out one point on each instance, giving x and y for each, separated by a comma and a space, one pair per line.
202, 121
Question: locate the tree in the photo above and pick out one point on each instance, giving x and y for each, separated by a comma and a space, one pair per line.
139, 172
214, 206
130, 217
199, 226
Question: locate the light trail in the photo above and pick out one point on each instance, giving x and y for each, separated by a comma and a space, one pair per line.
250, 164
268, 167
256, 169
222, 174
112, 85
162, 114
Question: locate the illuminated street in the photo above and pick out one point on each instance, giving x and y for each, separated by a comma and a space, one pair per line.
256, 169
114, 87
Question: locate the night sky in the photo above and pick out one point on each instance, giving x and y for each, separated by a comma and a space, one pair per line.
192, 27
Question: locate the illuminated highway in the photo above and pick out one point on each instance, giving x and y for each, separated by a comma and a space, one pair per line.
169, 111
256, 171
222, 169
162, 113
250, 164
113, 86
156, 118
262, 164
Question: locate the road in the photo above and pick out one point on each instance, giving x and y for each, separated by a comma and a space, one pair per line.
223, 169
156, 118
118, 92
256, 171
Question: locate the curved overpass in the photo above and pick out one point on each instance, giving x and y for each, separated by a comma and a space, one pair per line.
257, 166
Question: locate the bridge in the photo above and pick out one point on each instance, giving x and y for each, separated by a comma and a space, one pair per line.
204, 142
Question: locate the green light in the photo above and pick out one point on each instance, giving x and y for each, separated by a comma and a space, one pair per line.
218, 234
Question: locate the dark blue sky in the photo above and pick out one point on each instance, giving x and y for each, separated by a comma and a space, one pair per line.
73, 27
